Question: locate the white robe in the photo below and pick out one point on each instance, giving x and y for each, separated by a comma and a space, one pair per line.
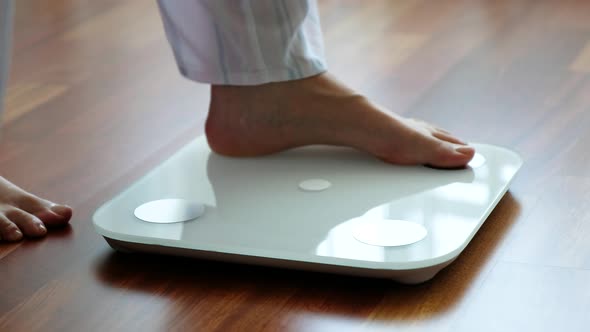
244, 42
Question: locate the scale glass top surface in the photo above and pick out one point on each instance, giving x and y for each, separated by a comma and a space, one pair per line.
261, 206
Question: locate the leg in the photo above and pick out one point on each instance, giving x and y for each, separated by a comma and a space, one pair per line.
270, 89
21, 212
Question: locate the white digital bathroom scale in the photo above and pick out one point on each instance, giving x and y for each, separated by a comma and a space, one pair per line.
318, 208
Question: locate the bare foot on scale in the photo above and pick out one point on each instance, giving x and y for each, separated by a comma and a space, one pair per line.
258, 120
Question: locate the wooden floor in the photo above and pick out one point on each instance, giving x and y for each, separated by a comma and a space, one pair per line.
95, 101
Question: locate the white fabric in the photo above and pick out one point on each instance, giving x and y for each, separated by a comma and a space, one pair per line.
244, 42
6, 10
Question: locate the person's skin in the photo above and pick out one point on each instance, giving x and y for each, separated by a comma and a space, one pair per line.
23, 214
263, 119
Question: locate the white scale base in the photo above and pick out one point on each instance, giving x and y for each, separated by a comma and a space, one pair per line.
357, 215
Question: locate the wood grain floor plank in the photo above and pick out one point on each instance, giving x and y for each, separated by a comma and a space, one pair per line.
521, 297
24, 99
582, 62
556, 233
95, 101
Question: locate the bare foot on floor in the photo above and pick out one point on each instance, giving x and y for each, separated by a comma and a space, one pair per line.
263, 119
22, 213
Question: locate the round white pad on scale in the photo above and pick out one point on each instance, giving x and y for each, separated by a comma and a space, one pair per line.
389, 232
166, 211
314, 185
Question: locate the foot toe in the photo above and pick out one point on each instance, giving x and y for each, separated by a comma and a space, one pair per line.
447, 137
51, 214
55, 216
452, 156
9, 231
28, 223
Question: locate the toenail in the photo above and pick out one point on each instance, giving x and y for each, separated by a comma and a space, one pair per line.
464, 149
58, 209
16, 235
41, 227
